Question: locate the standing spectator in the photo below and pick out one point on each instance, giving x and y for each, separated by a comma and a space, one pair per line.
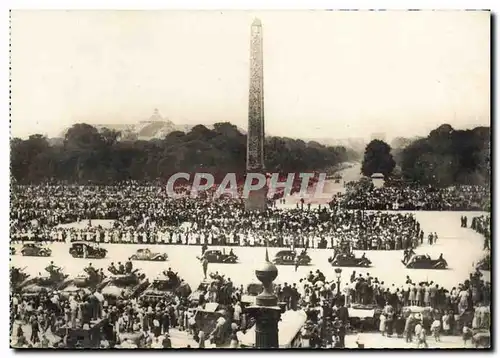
422, 339
436, 329
35, 329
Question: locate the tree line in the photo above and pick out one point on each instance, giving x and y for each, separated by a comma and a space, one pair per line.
99, 156
445, 157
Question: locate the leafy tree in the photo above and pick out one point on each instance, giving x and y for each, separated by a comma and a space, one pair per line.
449, 157
378, 159
109, 136
105, 156
83, 136
31, 155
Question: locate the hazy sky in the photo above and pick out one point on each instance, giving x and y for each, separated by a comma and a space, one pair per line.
326, 74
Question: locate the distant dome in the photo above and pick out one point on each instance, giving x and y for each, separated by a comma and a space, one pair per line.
256, 22
156, 117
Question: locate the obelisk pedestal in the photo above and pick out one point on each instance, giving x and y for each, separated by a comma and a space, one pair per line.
257, 200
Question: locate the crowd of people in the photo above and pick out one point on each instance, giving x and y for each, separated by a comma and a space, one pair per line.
147, 215
53, 319
410, 310
366, 231
482, 225
456, 198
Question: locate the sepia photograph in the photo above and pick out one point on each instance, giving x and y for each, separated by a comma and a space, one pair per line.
286, 179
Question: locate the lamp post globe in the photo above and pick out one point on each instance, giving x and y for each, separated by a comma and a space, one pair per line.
266, 310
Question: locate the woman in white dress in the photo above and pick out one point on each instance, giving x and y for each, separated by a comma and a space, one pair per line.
446, 323
382, 324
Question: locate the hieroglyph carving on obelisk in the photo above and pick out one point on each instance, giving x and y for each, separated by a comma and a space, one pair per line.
255, 135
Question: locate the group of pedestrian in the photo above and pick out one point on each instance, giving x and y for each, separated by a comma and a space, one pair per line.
456, 198
148, 216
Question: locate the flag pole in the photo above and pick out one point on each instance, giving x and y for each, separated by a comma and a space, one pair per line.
267, 253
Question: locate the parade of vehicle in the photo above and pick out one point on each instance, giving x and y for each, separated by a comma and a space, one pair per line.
35, 249
198, 294
166, 286
425, 262
87, 280
290, 257
17, 277
343, 256
349, 260
49, 282
148, 255
121, 287
82, 249
124, 286
217, 288
218, 256
252, 290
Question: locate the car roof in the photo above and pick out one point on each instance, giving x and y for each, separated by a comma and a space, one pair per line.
83, 243
282, 252
254, 285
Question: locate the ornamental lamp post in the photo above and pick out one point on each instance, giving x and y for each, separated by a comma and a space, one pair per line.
338, 273
266, 310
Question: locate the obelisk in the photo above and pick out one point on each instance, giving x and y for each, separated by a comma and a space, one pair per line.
256, 200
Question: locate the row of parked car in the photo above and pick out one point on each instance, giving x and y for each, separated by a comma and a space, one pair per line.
81, 249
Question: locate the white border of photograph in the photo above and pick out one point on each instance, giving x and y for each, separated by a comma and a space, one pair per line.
185, 5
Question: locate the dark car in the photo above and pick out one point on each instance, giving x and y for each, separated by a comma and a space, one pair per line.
117, 287
217, 256
288, 257
252, 291
164, 287
148, 255
425, 262
203, 287
17, 276
33, 249
86, 281
349, 260
93, 251
219, 286
37, 285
